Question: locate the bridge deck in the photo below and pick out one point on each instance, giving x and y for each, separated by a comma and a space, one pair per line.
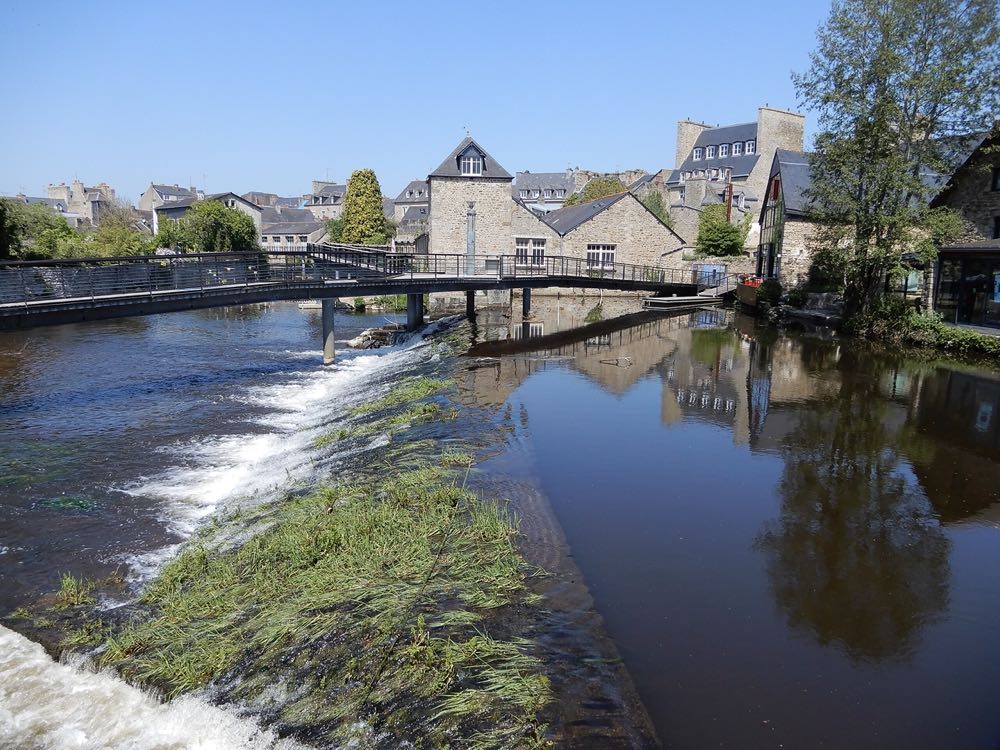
50, 292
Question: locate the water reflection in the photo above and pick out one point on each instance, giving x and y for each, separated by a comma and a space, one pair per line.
805, 521
858, 556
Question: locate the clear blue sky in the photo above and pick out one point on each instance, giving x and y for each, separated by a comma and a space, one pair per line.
268, 96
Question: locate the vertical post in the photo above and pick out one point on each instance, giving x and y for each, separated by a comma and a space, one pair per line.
328, 345
414, 311
525, 303
470, 305
470, 239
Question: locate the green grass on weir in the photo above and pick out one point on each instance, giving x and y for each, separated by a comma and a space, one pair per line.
379, 607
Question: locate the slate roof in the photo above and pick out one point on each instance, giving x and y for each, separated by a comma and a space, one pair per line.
297, 227
741, 165
56, 203
415, 186
334, 190
179, 203
795, 179
641, 181
959, 151
173, 190
543, 181
283, 215
450, 168
565, 220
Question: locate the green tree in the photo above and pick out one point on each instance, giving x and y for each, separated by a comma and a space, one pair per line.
212, 227
716, 236
31, 231
654, 202
168, 234
364, 221
335, 230
10, 238
893, 81
599, 187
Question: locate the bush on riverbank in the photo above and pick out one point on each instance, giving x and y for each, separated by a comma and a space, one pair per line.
896, 322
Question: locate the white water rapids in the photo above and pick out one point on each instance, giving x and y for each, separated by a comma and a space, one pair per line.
45, 705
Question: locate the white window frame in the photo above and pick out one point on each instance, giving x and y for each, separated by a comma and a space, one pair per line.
738, 148
601, 257
529, 252
524, 193
472, 165
560, 193
751, 147
698, 154
710, 152
723, 150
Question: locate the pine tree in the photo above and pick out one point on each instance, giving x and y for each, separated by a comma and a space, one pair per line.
364, 222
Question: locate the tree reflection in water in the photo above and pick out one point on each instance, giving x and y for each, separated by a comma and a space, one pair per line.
857, 556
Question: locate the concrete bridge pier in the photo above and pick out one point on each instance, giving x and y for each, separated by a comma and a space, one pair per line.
470, 305
414, 311
328, 345
525, 304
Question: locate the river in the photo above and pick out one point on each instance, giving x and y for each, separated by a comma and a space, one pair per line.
791, 540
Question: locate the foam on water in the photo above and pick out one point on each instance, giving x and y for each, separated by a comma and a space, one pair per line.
252, 467
45, 705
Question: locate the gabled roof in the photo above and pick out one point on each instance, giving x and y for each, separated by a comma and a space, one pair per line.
565, 220
172, 190
414, 214
795, 179
240, 198
642, 181
333, 189
959, 152
450, 168
414, 186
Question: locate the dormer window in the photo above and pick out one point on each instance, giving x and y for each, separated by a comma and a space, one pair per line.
737, 149
724, 150
548, 193
524, 193
471, 164
697, 154
751, 146
409, 193
710, 152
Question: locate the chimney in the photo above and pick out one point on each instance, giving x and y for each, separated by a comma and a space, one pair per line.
687, 134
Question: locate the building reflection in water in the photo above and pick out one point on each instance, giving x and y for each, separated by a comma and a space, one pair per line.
878, 452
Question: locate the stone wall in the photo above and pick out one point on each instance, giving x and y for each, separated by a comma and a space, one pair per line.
639, 237
776, 128
796, 252
971, 194
448, 225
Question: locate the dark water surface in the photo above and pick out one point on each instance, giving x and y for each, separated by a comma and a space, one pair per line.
794, 542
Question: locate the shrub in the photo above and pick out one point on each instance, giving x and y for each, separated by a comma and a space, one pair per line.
770, 292
359, 304
718, 237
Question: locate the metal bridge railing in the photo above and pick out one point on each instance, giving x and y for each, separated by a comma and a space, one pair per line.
23, 283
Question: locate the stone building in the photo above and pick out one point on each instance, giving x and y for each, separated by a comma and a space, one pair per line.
286, 229
965, 279
84, 202
156, 195
415, 195
708, 158
326, 201
783, 251
471, 203
264, 199
175, 209
58, 206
